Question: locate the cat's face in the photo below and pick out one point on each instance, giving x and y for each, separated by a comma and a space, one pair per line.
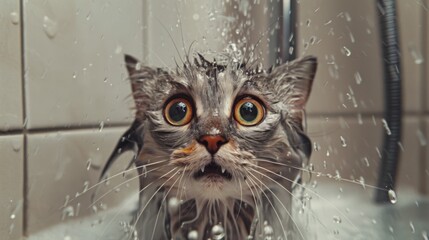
213, 125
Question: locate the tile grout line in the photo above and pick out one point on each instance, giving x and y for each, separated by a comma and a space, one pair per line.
423, 98
24, 121
145, 31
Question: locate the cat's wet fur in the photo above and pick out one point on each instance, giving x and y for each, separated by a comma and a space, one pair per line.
252, 171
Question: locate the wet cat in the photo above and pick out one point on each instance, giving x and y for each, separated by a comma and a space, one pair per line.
219, 146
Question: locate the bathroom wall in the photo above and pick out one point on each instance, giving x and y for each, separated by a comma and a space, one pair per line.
65, 100
346, 107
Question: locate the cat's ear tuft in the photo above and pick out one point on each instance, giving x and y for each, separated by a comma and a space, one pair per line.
294, 80
132, 64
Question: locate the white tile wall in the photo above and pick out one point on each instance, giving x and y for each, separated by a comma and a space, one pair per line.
351, 146
173, 27
329, 28
11, 181
10, 66
344, 37
424, 171
75, 77
61, 164
74, 61
411, 29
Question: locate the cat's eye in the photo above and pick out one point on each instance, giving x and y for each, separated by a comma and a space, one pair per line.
249, 111
178, 111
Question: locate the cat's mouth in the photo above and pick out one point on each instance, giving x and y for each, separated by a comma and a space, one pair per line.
213, 170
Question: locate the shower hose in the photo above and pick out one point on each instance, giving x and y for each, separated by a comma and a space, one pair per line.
393, 109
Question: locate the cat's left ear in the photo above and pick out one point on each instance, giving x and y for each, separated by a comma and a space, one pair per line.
293, 81
143, 84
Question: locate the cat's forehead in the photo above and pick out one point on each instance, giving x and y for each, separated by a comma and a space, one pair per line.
213, 91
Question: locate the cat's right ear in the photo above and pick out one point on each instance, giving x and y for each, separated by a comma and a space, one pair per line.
139, 76
131, 63
135, 72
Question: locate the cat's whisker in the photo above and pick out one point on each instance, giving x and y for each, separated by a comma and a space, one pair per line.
310, 190
153, 195
180, 181
171, 38
125, 182
241, 198
231, 213
321, 174
257, 198
288, 191
120, 209
162, 202
106, 179
281, 203
179, 192
111, 177
271, 204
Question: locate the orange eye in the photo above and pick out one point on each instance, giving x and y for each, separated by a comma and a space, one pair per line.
178, 112
249, 112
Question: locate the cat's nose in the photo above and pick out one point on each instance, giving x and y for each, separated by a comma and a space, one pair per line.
212, 142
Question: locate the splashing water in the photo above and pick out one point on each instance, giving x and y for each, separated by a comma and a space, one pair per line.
217, 232
392, 196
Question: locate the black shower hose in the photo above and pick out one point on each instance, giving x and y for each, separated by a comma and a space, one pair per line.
393, 109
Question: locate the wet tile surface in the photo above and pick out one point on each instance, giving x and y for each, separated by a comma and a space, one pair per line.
63, 167
351, 147
10, 67
12, 186
74, 60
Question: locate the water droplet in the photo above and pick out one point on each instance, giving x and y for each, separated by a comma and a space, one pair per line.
425, 235
308, 22
16, 146
196, 16
67, 238
50, 27
74, 75
346, 51
144, 169
101, 126
328, 22
413, 229
352, 38
268, 230
392, 196
14, 17
337, 219
12, 216
88, 164
173, 204
67, 212
362, 182
386, 126
358, 78
193, 235
417, 55
212, 16
316, 146
118, 49
218, 232
311, 167
348, 17
421, 138
343, 141
365, 160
